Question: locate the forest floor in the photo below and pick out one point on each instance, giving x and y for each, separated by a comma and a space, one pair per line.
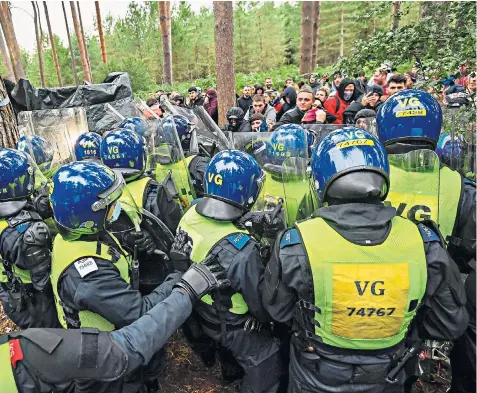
186, 373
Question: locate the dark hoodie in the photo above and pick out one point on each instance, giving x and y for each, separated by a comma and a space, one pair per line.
289, 93
211, 105
356, 106
336, 105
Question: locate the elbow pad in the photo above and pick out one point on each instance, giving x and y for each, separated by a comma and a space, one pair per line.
37, 239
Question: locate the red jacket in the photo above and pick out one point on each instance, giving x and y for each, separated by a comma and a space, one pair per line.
335, 106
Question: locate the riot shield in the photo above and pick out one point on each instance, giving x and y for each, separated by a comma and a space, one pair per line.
457, 148
368, 124
210, 138
58, 129
414, 189
319, 131
167, 162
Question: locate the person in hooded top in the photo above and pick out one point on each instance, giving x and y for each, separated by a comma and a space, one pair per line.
289, 101
336, 105
211, 105
370, 100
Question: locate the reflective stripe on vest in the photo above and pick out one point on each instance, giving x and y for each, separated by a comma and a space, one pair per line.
64, 254
137, 189
205, 234
367, 295
180, 175
23, 275
450, 191
6, 372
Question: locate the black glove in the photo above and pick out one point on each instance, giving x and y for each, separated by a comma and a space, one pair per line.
180, 251
142, 241
261, 224
42, 206
202, 278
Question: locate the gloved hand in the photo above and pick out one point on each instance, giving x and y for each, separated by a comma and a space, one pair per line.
202, 278
180, 251
42, 206
261, 224
143, 241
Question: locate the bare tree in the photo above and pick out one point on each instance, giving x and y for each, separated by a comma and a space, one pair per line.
11, 39
224, 56
342, 30
100, 32
53, 47
73, 60
396, 16
316, 32
39, 45
8, 121
6, 58
306, 37
84, 40
84, 60
165, 22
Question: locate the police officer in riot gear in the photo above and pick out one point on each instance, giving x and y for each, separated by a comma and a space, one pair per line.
124, 151
136, 124
235, 319
94, 279
409, 123
25, 243
87, 147
196, 163
42, 360
350, 279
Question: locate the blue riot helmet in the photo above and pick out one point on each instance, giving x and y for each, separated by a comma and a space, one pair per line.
137, 125
124, 151
87, 146
350, 164
288, 140
182, 127
85, 197
38, 148
233, 180
17, 180
409, 120
450, 149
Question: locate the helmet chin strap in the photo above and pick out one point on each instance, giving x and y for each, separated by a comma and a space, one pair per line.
403, 148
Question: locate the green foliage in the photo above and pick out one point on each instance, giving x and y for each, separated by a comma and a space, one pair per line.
443, 40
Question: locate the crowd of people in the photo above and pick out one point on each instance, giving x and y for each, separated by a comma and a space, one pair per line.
329, 99
300, 261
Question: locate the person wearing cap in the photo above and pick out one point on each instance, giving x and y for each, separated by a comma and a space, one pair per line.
350, 279
194, 99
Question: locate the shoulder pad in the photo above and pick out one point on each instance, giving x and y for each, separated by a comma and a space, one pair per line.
428, 234
37, 234
290, 238
239, 240
23, 217
469, 182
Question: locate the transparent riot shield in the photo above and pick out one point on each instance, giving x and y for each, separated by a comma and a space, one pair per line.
414, 190
167, 162
210, 138
319, 131
457, 145
368, 124
54, 132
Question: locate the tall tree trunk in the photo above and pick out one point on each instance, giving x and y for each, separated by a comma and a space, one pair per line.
11, 39
8, 121
84, 60
73, 60
100, 32
342, 30
39, 46
306, 37
165, 22
85, 45
6, 58
316, 32
224, 56
53, 47
396, 16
